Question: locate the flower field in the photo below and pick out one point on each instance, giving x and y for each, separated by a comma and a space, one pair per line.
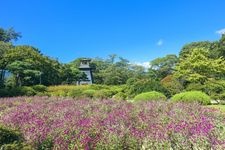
64, 123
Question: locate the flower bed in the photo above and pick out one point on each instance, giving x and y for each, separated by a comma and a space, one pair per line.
62, 123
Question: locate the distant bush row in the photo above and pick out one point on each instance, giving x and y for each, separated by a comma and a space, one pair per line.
103, 92
23, 91
88, 91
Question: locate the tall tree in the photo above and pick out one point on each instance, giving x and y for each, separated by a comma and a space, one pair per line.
9, 35
221, 46
30, 67
198, 67
163, 66
4, 47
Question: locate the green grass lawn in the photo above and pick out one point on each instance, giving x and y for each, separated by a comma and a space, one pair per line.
221, 107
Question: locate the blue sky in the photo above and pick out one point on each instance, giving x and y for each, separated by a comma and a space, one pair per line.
139, 30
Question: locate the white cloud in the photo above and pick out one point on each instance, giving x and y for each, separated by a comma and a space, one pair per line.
146, 65
222, 31
160, 42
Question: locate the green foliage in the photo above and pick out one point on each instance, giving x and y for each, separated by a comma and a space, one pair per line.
164, 66
17, 146
188, 48
198, 67
71, 74
6, 35
99, 86
4, 93
201, 66
220, 97
216, 48
39, 88
4, 47
65, 90
28, 91
213, 88
17, 91
172, 85
8, 136
103, 94
195, 87
192, 96
89, 93
47, 144
221, 46
136, 86
30, 67
12, 140
10, 82
120, 96
149, 96
23, 91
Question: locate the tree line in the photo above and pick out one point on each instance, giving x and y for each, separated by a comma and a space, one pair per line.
199, 66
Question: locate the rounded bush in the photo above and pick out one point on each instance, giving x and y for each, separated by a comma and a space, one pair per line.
22, 91
192, 96
8, 136
88, 93
148, 96
120, 96
27, 91
16, 146
4, 93
98, 87
40, 88
104, 93
67, 90
75, 93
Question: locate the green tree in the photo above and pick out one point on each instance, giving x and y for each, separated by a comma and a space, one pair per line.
30, 67
221, 46
25, 73
198, 67
72, 75
4, 47
161, 67
136, 86
9, 35
172, 85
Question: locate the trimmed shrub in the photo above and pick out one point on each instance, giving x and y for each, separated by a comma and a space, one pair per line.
16, 146
28, 91
213, 88
137, 86
192, 96
12, 140
4, 93
22, 91
75, 93
120, 96
104, 93
8, 136
88, 93
149, 96
67, 90
98, 87
40, 88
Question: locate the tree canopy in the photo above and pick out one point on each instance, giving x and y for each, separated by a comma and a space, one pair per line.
199, 66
